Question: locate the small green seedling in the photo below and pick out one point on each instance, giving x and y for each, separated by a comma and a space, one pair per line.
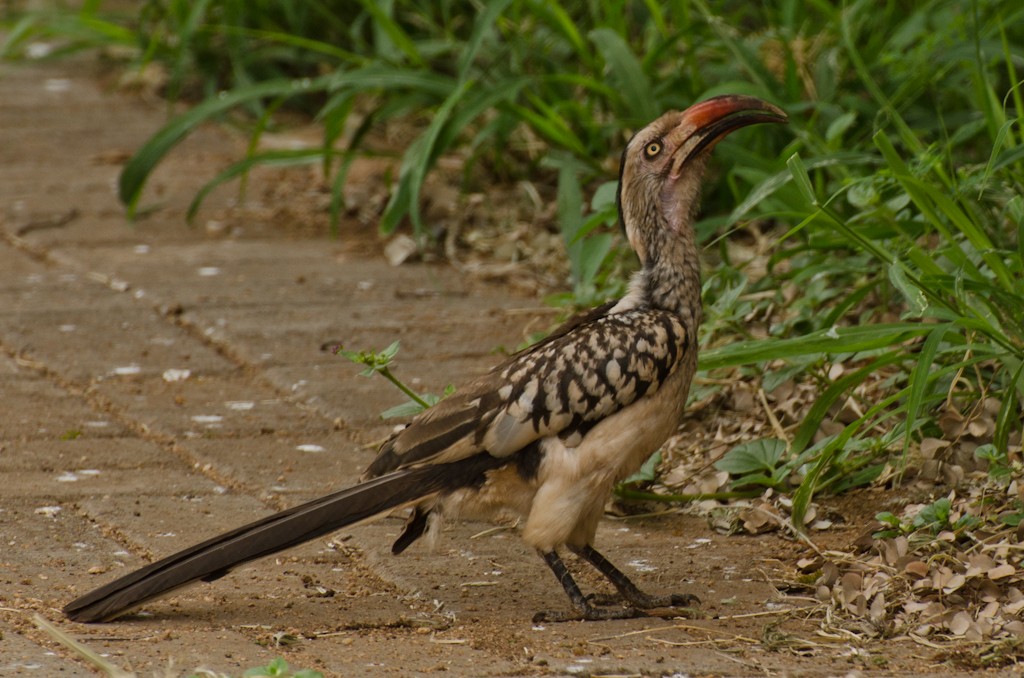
379, 362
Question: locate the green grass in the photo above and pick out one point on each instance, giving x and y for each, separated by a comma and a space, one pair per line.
895, 192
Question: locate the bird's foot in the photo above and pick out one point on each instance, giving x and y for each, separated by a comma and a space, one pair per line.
629, 603
587, 613
607, 606
644, 601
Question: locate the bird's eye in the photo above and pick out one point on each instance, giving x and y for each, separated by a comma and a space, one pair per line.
652, 150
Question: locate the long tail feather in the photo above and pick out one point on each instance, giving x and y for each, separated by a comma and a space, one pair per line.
215, 557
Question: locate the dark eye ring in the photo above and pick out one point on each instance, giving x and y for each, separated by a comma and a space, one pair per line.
652, 149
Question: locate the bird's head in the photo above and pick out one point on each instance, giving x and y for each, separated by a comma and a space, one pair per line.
663, 164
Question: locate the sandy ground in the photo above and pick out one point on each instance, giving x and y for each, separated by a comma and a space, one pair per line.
108, 462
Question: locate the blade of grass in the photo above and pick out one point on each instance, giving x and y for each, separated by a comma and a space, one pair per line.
138, 168
809, 485
385, 23
919, 380
186, 35
816, 414
627, 74
280, 158
1007, 418
832, 341
415, 165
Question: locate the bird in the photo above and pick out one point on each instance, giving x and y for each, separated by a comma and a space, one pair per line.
548, 432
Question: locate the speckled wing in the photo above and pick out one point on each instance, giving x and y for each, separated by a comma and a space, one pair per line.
562, 386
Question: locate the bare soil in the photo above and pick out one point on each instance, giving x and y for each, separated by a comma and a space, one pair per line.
108, 460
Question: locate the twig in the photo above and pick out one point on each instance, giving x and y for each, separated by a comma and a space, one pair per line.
492, 530
81, 650
748, 664
765, 613
673, 627
776, 424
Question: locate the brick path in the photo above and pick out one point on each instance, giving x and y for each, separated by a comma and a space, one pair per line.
107, 462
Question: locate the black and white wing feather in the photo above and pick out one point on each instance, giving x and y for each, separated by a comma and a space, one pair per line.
584, 372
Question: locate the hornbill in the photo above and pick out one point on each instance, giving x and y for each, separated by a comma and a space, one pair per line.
548, 432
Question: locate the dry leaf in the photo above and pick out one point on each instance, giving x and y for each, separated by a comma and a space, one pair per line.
1001, 572
931, 446
1016, 627
979, 563
952, 423
829, 573
808, 565
400, 248
954, 583
980, 428
959, 624
916, 568
1014, 607
877, 610
989, 611
762, 517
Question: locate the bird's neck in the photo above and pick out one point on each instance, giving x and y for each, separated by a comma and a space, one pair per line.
669, 279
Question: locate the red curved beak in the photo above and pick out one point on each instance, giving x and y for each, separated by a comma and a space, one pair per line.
715, 118
732, 107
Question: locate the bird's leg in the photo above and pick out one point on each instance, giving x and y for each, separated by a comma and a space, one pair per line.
628, 591
584, 609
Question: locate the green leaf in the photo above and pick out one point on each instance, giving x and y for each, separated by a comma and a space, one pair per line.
934, 515
997, 146
838, 127
759, 193
551, 125
1006, 420
1012, 519
386, 24
997, 460
484, 23
406, 409
863, 194
918, 379
626, 74
570, 216
752, 457
16, 34
140, 166
888, 518
823, 403
417, 161
390, 352
277, 667
804, 493
799, 173
917, 303
274, 158
647, 472
832, 341
592, 253
605, 196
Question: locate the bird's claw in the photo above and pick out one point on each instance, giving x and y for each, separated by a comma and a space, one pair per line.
589, 613
683, 600
645, 601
